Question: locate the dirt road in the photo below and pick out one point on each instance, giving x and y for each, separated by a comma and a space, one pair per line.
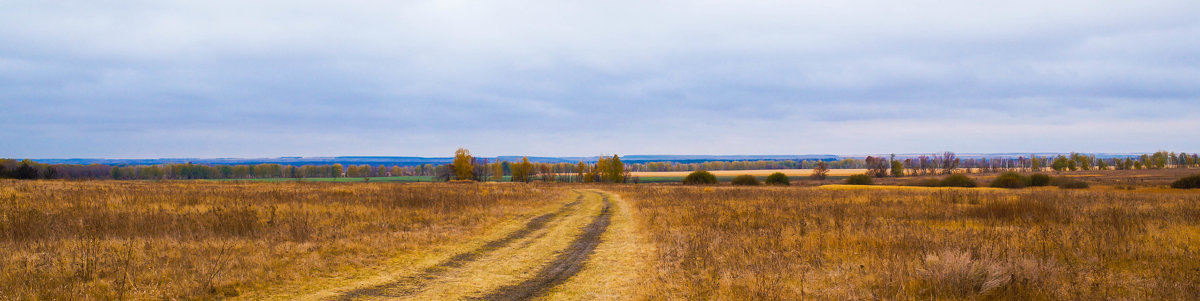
568, 253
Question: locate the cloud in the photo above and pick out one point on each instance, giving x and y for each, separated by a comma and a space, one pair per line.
272, 78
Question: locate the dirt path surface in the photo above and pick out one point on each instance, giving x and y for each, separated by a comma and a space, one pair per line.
565, 265
408, 285
547, 257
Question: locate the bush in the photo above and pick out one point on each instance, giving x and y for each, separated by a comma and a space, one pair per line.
1192, 181
1072, 184
1010, 180
930, 182
746, 180
778, 179
859, 180
700, 177
958, 181
1039, 179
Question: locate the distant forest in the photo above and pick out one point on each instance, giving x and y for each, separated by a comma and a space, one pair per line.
497, 169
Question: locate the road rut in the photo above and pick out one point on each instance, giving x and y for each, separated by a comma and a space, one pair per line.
408, 285
565, 265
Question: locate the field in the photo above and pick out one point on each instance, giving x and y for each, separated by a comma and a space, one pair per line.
919, 243
834, 175
1126, 237
372, 179
753, 172
201, 239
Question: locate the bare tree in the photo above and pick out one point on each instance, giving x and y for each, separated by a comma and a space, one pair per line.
877, 166
949, 162
820, 171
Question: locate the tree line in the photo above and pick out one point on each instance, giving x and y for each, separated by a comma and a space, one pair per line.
28, 169
948, 162
605, 169
469, 168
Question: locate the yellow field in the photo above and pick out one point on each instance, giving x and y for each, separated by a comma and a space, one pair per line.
794, 243
372, 241
754, 172
188, 240
904, 188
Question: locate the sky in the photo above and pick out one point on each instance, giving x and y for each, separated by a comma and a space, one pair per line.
158, 79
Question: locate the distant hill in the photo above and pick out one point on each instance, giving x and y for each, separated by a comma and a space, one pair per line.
413, 161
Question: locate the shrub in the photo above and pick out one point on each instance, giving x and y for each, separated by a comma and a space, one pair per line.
746, 180
1039, 179
700, 177
930, 182
1072, 184
1192, 181
778, 179
859, 180
958, 181
1010, 180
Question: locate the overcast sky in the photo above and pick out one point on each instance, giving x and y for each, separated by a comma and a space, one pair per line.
151, 79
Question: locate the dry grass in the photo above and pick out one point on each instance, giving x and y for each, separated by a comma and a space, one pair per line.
206, 240
753, 172
792, 243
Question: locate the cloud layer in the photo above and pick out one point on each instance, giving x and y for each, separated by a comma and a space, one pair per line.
278, 78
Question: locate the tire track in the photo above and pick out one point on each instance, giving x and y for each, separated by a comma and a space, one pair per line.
565, 265
411, 284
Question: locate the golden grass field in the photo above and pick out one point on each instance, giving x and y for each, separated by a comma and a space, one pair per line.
762, 243
188, 240
753, 172
100, 240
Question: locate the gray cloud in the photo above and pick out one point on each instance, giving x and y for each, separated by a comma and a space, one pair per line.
275, 78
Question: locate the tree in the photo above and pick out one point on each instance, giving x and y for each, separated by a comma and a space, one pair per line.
778, 179
876, 166
1059, 164
521, 171
949, 161
443, 172
497, 170
820, 171
1035, 164
897, 168
615, 171
336, 171
26, 171
463, 164
581, 172
547, 172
